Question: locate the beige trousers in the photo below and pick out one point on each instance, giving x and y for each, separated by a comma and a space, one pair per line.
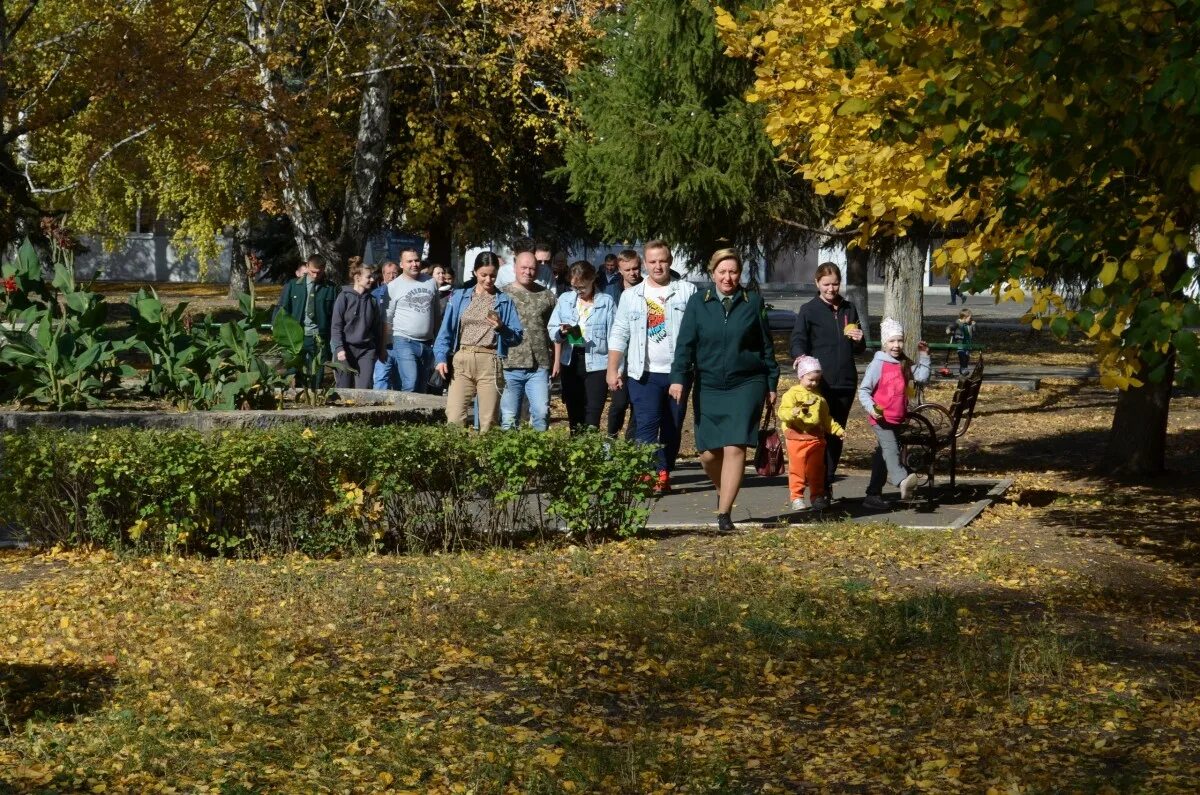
476, 374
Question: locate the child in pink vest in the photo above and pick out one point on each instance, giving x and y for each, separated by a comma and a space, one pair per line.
883, 393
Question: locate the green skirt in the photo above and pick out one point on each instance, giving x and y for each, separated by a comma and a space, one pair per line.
728, 416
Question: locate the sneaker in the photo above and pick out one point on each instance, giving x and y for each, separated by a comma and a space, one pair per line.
873, 502
908, 485
724, 523
800, 504
663, 484
820, 503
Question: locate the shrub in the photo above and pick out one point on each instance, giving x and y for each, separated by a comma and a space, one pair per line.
342, 490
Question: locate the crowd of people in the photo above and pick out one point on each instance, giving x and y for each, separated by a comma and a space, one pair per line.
630, 334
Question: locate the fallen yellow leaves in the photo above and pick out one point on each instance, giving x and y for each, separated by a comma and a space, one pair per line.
822, 658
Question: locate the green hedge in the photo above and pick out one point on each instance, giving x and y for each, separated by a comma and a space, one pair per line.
335, 491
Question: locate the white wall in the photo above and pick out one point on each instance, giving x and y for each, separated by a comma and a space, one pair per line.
149, 258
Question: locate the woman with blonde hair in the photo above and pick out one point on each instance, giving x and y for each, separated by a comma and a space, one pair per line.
725, 343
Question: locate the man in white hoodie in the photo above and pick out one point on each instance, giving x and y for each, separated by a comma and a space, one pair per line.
642, 344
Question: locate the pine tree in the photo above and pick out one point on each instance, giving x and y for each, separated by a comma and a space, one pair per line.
666, 145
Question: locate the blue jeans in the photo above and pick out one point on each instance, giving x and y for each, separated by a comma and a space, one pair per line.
525, 384
386, 375
658, 417
414, 360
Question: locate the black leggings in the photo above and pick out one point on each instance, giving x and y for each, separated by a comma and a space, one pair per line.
618, 406
584, 393
840, 401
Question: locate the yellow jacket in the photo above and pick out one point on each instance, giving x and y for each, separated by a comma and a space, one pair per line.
805, 411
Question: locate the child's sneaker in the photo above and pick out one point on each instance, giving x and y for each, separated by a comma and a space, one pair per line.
908, 485
820, 503
800, 504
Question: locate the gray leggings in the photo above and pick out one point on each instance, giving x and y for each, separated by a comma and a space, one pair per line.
886, 462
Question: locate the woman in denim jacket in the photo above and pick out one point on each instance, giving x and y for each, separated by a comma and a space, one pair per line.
579, 328
479, 325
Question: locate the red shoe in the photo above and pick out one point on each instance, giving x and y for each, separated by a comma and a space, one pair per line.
663, 485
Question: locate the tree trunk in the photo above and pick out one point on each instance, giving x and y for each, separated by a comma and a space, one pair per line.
441, 242
364, 191
239, 274
904, 291
855, 287
1137, 443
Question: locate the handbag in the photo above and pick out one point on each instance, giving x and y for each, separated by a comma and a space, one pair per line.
768, 457
436, 383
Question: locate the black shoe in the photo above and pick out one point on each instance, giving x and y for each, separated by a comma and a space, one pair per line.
724, 523
820, 503
874, 502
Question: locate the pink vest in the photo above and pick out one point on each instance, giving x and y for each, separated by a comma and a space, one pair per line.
891, 394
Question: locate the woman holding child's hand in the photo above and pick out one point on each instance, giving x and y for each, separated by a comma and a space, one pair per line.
828, 328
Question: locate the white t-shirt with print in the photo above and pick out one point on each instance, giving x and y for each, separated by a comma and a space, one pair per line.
660, 351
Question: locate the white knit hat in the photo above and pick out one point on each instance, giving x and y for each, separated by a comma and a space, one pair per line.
890, 329
805, 365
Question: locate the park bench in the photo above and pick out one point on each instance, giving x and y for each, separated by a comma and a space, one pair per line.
931, 429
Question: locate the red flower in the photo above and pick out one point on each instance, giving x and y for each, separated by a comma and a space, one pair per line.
10, 285
254, 264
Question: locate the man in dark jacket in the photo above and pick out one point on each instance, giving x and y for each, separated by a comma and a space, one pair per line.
310, 301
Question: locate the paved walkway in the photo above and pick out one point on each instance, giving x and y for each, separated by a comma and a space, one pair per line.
764, 502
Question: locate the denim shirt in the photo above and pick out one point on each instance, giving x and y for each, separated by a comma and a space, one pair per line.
628, 333
446, 343
595, 329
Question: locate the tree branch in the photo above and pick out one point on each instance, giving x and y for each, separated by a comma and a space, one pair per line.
21, 20
199, 24
813, 231
91, 169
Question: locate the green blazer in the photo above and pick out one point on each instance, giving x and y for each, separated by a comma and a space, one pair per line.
291, 300
725, 351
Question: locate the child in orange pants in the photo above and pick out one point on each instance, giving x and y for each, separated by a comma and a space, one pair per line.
806, 420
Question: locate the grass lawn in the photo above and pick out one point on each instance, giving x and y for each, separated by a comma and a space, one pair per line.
1049, 647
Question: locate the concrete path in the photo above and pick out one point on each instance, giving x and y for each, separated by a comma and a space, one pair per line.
764, 502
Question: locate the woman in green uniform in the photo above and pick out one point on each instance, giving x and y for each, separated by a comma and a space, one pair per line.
724, 340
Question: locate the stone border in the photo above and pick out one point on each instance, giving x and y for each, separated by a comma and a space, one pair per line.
391, 408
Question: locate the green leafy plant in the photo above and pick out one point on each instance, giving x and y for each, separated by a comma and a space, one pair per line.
205, 365
337, 491
54, 342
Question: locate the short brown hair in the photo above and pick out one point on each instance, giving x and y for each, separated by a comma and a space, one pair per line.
827, 269
657, 243
722, 254
629, 255
582, 269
